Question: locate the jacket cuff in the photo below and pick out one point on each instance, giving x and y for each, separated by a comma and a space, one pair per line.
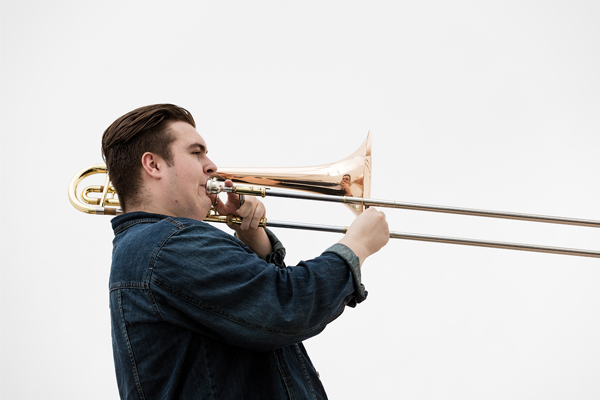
278, 255
360, 293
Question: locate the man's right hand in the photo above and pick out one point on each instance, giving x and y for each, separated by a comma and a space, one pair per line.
368, 234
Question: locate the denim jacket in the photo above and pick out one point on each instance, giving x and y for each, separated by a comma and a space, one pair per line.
197, 315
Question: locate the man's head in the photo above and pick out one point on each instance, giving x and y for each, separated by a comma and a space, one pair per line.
146, 129
346, 178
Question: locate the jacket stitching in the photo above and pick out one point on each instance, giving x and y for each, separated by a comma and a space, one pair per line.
152, 261
304, 370
127, 225
157, 250
208, 369
282, 374
134, 371
129, 285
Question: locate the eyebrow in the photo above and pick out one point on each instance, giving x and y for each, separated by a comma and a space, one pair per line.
199, 146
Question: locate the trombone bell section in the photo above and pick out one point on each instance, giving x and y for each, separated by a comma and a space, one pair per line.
349, 177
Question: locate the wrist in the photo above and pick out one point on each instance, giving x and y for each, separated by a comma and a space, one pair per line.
257, 240
357, 247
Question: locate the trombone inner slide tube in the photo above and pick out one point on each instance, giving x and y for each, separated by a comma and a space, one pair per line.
214, 187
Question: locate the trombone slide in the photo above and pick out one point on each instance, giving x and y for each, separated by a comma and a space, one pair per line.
214, 187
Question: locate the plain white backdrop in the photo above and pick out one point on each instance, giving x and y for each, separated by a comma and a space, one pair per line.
491, 105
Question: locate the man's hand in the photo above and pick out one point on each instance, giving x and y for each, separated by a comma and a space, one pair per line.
251, 213
368, 234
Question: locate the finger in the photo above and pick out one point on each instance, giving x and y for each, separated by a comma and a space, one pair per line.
245, 212
252, 214
232, 198
246, 223
259, 212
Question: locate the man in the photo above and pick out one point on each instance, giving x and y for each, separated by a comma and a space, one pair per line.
345, 184
198, 313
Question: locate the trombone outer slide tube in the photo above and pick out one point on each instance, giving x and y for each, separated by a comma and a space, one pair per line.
432, 208
441, 239
497, 245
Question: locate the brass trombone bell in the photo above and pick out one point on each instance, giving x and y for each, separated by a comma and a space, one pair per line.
326, 179
346, 181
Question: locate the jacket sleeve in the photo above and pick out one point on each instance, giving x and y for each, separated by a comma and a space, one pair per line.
210, 282
277, 256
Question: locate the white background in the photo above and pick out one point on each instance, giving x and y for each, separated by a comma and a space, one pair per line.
491, 105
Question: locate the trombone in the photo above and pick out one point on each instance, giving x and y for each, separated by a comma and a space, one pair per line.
346, 181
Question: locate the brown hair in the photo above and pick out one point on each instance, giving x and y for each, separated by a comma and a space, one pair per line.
145, 129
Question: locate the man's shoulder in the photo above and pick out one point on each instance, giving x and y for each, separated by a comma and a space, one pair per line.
142, 239
146, 220
155, 228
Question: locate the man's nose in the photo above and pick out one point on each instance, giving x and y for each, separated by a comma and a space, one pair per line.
210, 168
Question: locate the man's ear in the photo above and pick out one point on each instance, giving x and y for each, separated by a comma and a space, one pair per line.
152, 164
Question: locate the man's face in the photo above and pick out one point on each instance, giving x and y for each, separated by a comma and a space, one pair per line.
345, 179
186, 178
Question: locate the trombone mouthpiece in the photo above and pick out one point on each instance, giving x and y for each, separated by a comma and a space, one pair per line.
214, 187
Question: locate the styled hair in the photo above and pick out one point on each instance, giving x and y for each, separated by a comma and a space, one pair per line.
145, 129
